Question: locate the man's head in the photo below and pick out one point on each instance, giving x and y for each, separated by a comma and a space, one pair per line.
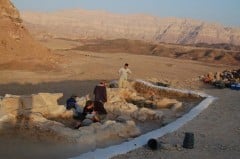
126, 65
103, 82
89, 104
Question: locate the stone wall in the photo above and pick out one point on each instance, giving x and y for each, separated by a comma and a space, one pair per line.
151, 90
42, 103
31, 115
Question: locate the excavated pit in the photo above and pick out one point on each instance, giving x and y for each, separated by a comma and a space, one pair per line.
131, 112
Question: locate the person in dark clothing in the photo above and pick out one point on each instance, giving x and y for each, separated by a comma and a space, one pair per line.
71, 102
100, 94
89, 108
88, 113
98, 107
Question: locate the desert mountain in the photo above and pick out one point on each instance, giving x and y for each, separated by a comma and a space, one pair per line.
18, 50
79, 24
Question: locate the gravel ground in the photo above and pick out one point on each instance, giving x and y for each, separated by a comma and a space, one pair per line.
216, 130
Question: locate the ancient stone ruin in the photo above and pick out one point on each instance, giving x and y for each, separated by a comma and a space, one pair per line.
131, 112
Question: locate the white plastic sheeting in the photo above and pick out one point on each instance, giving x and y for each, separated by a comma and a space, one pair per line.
140, 141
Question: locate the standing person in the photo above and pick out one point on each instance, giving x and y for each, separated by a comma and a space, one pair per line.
100, 94
123, 75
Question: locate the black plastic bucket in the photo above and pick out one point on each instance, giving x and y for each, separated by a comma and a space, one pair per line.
153, 144
188, 141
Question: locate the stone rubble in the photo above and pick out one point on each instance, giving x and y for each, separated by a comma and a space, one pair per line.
119, 106
227, 78
33, 112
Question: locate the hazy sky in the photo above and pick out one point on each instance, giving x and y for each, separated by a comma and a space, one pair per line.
226, 12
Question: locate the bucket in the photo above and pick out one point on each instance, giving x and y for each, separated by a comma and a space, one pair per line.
188, 141
152, 144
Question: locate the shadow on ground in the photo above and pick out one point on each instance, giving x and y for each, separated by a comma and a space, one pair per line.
68, 88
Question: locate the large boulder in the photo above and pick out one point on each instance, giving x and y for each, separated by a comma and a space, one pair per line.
43, 103
123, 118
166, 103
11, 105
144, 114
177, 106
7, 122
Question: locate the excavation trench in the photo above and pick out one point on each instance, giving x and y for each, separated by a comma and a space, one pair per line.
37, 120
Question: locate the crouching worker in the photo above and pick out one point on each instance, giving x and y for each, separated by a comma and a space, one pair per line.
72, 105
88, 116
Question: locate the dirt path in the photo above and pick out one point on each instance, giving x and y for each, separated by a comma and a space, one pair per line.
216, 130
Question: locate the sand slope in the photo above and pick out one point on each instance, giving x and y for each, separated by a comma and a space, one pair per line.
18, 50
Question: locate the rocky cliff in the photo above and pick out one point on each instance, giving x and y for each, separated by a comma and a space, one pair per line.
18, 50
8, 10
99, 24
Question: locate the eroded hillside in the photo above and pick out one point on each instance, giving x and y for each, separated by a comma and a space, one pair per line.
78, 24
18, 50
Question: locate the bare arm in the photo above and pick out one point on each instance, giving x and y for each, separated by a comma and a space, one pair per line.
119, 71
129, 71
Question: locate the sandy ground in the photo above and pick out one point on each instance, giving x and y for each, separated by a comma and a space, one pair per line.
217, 129
82, 70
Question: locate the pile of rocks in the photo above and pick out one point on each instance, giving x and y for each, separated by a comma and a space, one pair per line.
128, 111
227, 78
119, 106
143, 103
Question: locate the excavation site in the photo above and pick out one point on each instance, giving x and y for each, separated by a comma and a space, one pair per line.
131, 112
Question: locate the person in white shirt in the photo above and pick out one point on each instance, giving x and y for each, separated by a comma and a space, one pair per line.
123, 76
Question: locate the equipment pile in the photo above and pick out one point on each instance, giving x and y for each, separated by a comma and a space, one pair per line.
225, 79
